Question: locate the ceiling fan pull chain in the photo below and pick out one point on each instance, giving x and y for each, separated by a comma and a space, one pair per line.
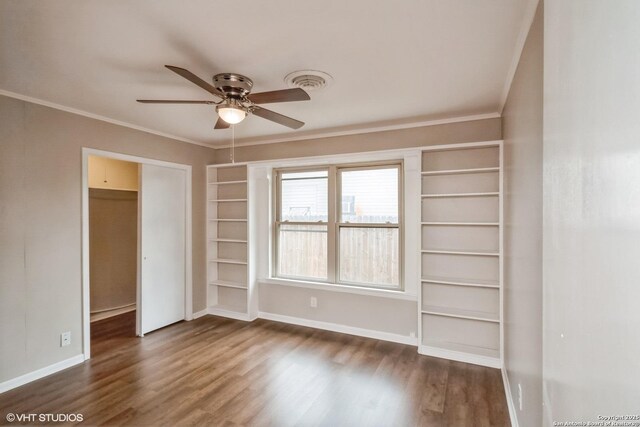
233, 143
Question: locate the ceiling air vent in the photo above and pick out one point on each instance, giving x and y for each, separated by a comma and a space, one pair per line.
309, 80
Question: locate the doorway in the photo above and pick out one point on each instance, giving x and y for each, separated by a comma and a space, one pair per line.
113, 246
161, 259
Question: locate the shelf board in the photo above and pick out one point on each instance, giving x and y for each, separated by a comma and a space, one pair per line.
229, 311
228, 284
471, 224
228, 182
460, 313
228, 261
460, 171
464, 348
227, 200
228, 219
456, 252
446, 195
227, 307
228, 240
461, 282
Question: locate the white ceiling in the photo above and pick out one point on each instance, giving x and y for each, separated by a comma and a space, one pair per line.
393, 62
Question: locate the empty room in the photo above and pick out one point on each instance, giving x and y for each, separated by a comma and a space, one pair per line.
330, 213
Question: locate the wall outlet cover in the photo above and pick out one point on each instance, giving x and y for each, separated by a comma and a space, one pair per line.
65, 339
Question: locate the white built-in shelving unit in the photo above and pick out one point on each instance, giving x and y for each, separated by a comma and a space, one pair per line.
460, 249
461, 267
230, 278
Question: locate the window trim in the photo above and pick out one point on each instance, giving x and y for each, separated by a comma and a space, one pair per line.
334, 214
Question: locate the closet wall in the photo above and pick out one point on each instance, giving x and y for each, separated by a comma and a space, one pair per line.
113, 218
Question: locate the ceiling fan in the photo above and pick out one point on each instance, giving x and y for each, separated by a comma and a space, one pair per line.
237, 101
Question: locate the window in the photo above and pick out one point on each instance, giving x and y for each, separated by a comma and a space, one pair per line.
368, 236
339, 224
303, 217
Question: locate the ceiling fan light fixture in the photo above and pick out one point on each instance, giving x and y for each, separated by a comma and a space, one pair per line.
231, 111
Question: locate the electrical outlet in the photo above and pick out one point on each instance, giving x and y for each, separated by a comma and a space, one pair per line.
520, 396
412, 334
313, 302
65, 339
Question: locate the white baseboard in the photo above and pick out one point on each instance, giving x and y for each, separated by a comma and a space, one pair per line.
41, 373
335, 327
199, 314
459, 356
510, 405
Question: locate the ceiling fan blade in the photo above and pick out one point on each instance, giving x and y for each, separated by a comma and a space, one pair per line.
172, 101
284, 95
277, 117
196, 80
221, 124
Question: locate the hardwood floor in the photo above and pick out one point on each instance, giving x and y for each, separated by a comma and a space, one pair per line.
221, 372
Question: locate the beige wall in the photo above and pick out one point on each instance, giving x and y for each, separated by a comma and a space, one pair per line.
591, 238
386, 315
522, 133
113, 248
452, 133
40, 225
112, 174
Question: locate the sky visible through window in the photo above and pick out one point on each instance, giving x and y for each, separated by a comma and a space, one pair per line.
373, 194
368, 195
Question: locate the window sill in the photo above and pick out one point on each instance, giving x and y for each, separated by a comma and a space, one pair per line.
383, 293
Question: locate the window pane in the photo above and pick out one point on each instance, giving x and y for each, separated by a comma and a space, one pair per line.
370, 256
370, 195
302, 251
304, 196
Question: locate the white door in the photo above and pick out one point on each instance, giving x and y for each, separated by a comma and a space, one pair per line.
162, 204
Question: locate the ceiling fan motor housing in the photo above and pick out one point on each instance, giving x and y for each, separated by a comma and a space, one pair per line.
232, 84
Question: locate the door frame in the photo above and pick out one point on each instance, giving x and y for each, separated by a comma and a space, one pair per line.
86, 315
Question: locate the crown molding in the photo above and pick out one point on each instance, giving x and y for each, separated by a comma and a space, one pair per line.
314, 135
363, 130
529, 15
98, 117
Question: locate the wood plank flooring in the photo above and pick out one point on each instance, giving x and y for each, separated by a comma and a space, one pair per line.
221, 372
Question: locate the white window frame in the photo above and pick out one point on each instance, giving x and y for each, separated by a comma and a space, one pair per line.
261, 211
334, 224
